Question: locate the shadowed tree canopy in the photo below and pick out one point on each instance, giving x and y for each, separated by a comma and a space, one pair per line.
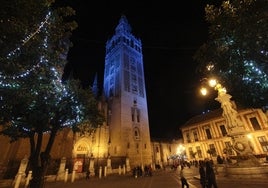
236, 52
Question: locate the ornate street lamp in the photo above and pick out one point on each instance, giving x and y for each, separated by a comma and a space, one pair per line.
180, 152
236, 129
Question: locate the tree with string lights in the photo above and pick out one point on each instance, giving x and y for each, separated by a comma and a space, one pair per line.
236, 50
33, 99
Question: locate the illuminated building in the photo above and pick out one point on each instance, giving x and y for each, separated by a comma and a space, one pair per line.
208, 132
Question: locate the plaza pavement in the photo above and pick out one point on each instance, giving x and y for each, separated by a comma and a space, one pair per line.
161, 179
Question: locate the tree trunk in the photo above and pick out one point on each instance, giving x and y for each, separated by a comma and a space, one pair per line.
39, 172
38, 179
40, 169
39, 161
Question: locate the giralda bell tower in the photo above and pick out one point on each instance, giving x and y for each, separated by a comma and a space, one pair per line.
124, 89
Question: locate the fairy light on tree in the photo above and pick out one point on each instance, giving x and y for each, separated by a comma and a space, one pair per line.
236, 50
33, 100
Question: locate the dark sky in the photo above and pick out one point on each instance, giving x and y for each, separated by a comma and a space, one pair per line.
170, 32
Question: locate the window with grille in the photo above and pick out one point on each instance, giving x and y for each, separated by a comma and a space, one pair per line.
208, 134
223, 130
263, 142
255, 123
195, 136
191, 152
188, 137
199, 152
212, 150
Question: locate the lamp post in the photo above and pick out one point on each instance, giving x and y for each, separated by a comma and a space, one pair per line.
236, 129
180, 152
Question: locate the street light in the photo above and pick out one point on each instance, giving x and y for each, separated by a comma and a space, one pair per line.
180, 151
234, 124
230, 114
214, 84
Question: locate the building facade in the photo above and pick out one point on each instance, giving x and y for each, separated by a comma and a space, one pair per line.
207, 136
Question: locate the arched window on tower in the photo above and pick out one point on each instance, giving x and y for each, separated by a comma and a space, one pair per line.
138, 115
133, 114
136, 133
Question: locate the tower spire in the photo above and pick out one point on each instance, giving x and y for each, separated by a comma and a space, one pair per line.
95, 88
123, 25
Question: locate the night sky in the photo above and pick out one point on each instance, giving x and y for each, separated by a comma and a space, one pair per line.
170, 32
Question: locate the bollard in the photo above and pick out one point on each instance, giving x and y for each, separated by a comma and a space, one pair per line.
100, 171
18, 179
105, 171
124, 169
66, 175
29, 177
119, 169
73, 176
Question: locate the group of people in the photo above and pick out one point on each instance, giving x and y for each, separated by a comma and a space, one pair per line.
207, 175
138, 171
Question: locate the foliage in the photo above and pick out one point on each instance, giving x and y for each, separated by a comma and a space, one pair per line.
236, 50
92, 117
34, 43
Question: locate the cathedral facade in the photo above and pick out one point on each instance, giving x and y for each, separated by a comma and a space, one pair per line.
126, 133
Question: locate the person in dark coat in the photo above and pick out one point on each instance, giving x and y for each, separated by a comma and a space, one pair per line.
87, 174
202, 174
210, 175
183, 179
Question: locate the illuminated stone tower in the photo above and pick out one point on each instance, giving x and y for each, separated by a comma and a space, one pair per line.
124, 89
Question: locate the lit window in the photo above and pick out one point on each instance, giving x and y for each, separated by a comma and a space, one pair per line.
255, 123
223, 130
263, 142
208, 134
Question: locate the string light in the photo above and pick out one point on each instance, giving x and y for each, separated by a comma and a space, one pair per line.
254, 70
27, 38
5, 78
60, 90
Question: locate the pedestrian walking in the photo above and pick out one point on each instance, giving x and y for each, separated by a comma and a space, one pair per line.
210, 175
87, 174
202, 173
183, 179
